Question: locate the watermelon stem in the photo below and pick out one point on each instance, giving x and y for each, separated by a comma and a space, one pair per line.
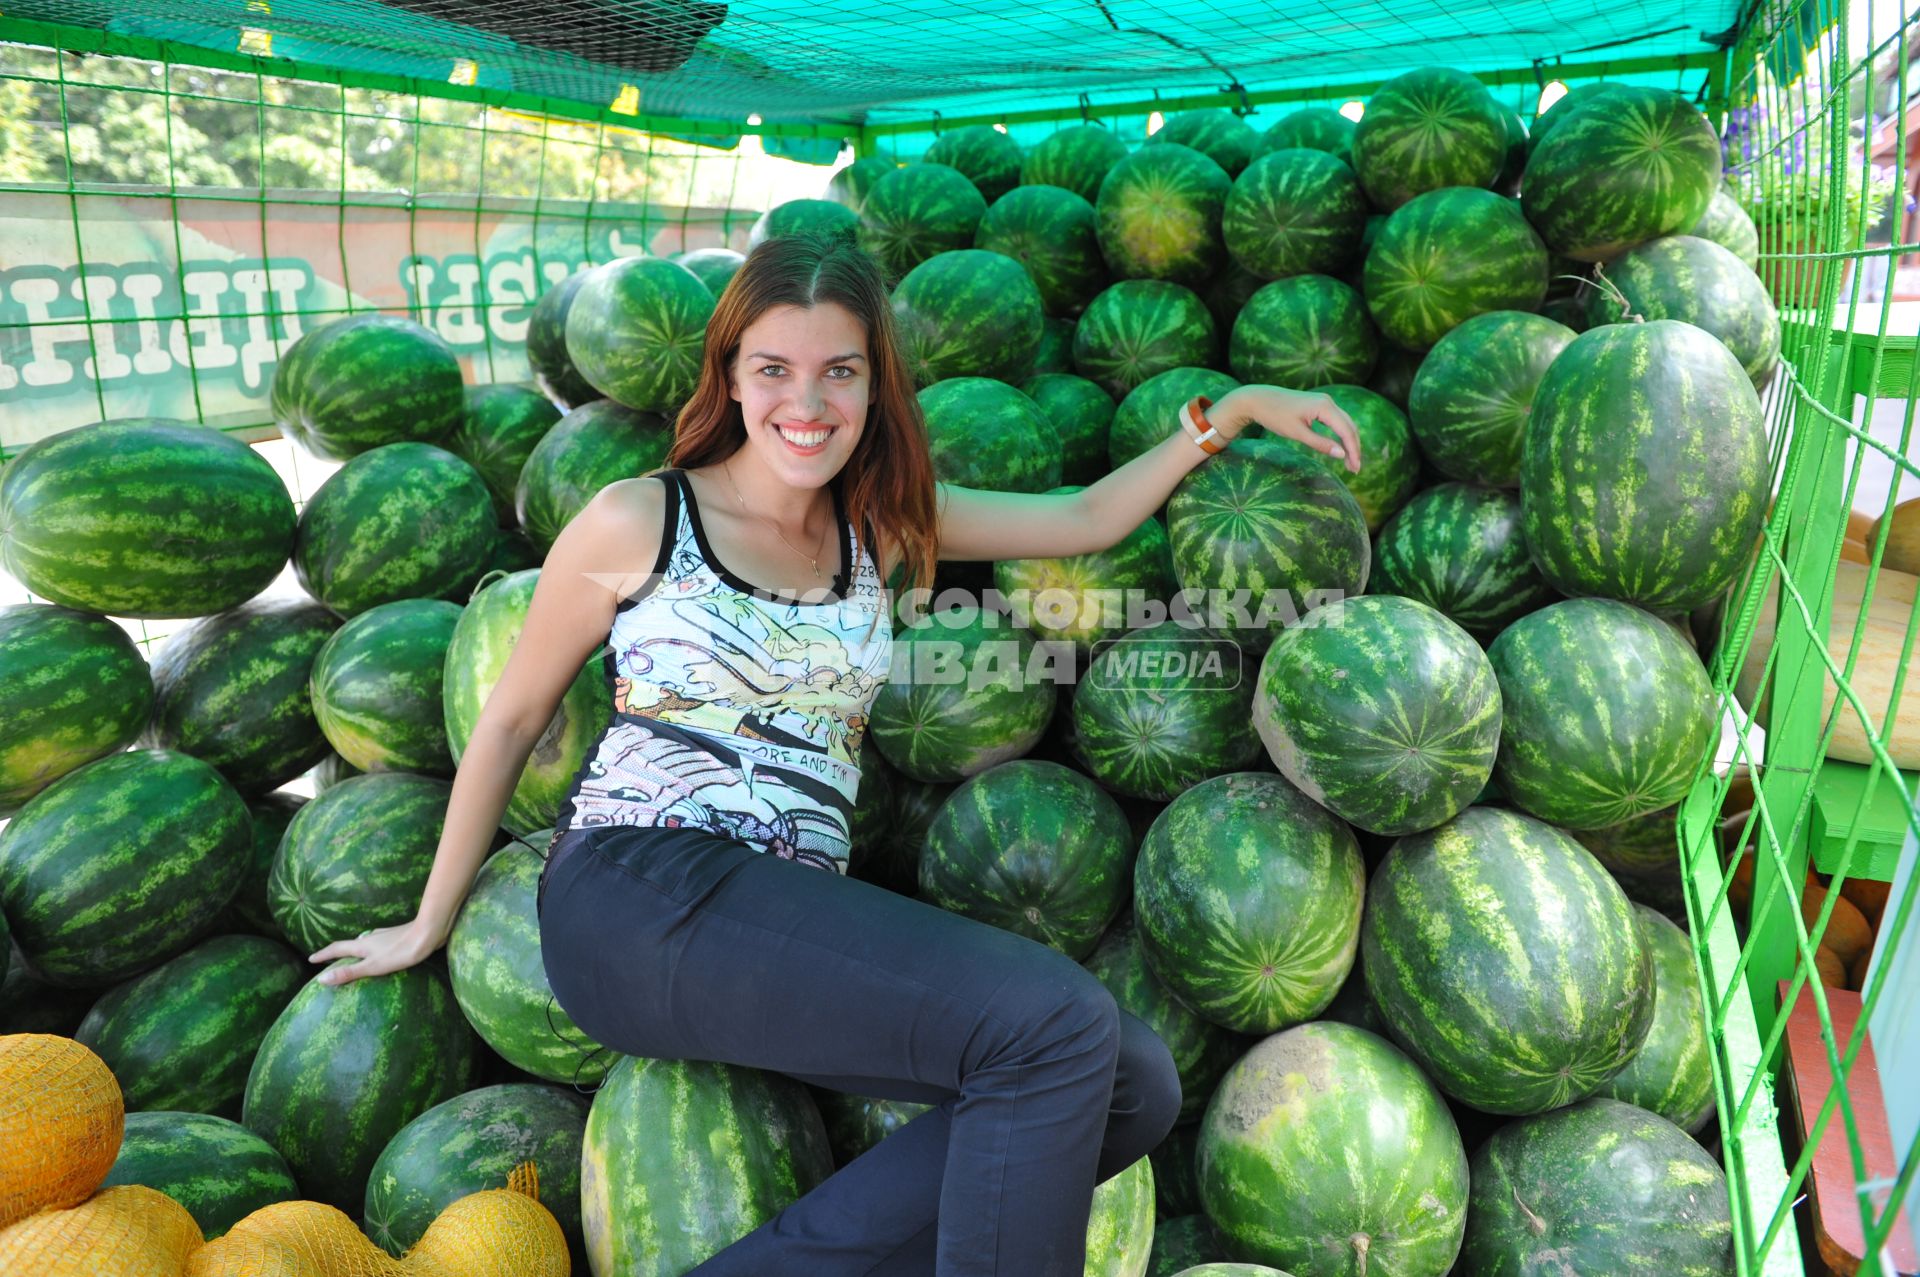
1535, 1224
1614, 295
1361, 1245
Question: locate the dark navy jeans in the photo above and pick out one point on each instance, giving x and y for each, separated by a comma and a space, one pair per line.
679, 944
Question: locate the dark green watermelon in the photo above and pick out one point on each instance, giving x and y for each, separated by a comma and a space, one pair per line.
250, 910
890, 819
496, 434
1176, 1192
592, 446
1729, 225
1514, 163
1055, 351
1671, 1074
637, 330
803, 217
855, 1123
1049, 231
1389, 465
1190, 1246
968, 313
1295, 212
1457, 548
1696, 280
377, 687
1394, 372
1318, 128
1303, 332
974, 692
366, 381
1472, 395
1158, 215
850, 185
1081, 414
553, 369
1430, 128
1140, 328
917, 212
1151, 411
1084, 598
1643, 856
1218, 134
197, 522
1077, 159
1227, 293
1163, 709
356, 857
218, 1169
73, 688
29, 1004
714, 267
984, 155
1563, 107
985, 434
1449, 255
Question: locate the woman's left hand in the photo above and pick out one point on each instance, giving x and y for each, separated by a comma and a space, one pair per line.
1290, 414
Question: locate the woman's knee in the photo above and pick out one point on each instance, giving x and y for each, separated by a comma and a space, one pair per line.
1063, 1011
1146, 1084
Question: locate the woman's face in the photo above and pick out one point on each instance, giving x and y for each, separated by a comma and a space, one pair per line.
802, 379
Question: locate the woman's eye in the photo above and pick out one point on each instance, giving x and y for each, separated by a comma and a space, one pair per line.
771, 368
842, 368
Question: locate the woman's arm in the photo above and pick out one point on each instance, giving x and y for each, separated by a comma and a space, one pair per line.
976, 524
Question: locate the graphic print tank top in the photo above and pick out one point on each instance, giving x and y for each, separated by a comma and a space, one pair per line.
736, 711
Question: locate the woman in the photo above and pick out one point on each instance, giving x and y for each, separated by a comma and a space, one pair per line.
738, 600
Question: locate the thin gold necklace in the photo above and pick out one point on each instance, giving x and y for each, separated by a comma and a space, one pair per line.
813, 560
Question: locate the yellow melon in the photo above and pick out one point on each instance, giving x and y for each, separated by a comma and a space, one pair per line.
128, 1230
61, 1120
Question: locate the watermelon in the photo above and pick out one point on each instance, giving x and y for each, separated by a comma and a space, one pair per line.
1727, 224
890, 821
1140, 328
1081, 415
482, 641
1643, 856
377, 687
1055, 351
1158, 215
1598, 1187
120, 865
1394, 372
1049, 231
1317, 128
356, 857
855, 1123
1389, 465
1427, 129
231, 690
803, 217
1645, 473
714, 267
1449, 255
968, 313
1151, 411
850, 185
754, 1143
1326, 1152
592, 446
1084, 598
497, 432
1218, 134
965, 700
1120, 1224
985, 434
218, 1169
1671, 1074
1696, 280
917, 212
198, 522
1457, 548
73, 688
1189, 1242
1077, 159
1176, 1191
408, 520
1294, 212
1514, 163
500, 981
1228, 292
1382, 710
1202, 1051
1471, 397
1273, 532
365, 381
1247, 898
29, 1004
347, 1066
183, 1035
1352, 1005
1569, 312
1564, 106
1303, 332
1608, 713
250, 910
982, 154
471, 1143
553, 369
1506, 962
637, 330
1627, 167
1163, 709
1032, 848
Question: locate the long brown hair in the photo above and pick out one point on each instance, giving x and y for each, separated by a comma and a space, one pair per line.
887, 484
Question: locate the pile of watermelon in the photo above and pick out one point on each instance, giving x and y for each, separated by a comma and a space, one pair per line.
1348, 851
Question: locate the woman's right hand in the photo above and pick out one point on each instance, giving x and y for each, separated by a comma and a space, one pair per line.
380, 951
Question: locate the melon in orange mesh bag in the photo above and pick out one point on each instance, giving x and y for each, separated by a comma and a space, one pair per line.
128, 1230
61, 1119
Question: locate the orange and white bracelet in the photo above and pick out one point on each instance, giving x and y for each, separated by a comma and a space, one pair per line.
1193, 420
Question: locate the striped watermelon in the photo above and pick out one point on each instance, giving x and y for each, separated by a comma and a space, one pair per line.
1382, 710
714, 267
1671, 1074
377, 687
500, 980
471, 1143
218, 1169
1449, 255
1228, 292
1189, 1246
1077, 158
850, 185
1295, 212
1514, 163
1430, 128
637, 329
1646, 471
1472, 395
890, 822
1247, 897
1506, 961
1643, 856
1120, 1224
198, 522
29, 1004
1394, 373
917, 212
1140, 328
1151, 411
1049, 231
553, 369
1598, 1187
754, 1144
73, 688
1083, 598
1055, 351
983, 155
1158, 215
183, 1035
1682, 277
1563, 108
1163, 709
120, 865
250, 910
1627, 167
1457, 548
1220, 135
1389, 465
405, 521
356, 857
985, 434
482, 641
512, 552
1318, 128
1081, 415
1727, 224
1176, 1189
496, 434
366, 381
1608, 713
968, 313
968, 703
802, 217
1327, 1152
1032, 848
231, 689
592, 446
1303, 332
855, 1123
346, 1066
